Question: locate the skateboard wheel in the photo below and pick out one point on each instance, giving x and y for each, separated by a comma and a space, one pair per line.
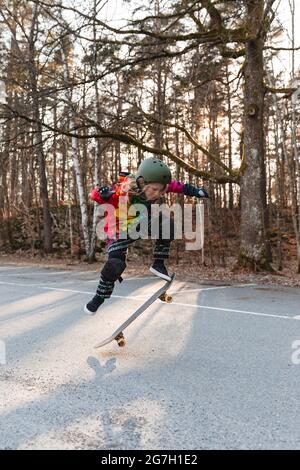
120, 340
121, 343
165, 298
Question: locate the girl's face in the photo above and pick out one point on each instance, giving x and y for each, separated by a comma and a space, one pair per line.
154, 191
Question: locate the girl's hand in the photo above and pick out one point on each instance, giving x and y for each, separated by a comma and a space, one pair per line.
201, 193
190, 190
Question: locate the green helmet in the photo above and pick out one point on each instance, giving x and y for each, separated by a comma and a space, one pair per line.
153, 170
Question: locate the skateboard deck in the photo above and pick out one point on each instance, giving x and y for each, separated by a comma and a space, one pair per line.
161, 294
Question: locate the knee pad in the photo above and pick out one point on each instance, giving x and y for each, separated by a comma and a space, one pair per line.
113, 269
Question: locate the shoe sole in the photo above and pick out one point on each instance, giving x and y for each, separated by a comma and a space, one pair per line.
159, 274
88, 312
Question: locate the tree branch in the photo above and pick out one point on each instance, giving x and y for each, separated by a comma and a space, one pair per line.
287, 91
130, 140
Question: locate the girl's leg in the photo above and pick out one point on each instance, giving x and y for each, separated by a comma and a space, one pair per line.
111, 272
162, 250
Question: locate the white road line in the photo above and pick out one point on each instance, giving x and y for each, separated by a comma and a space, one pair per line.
81, 272
34, 274
137, 297
128, 279
183, 290
52, 273
26, 285
140, 278
14, 267
259, 314
246, 312
38, 273
210, 288
141, 297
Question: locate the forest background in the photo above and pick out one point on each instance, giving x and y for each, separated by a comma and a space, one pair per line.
211, 87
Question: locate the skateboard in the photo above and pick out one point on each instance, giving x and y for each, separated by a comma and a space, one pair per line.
118, 335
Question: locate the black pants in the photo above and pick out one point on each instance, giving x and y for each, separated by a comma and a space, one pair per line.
117, 249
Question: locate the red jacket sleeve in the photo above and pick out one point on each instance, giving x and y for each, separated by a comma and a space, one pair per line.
175, 187
95, 196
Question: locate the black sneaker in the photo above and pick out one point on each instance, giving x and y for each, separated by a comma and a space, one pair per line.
92, 307
158, 268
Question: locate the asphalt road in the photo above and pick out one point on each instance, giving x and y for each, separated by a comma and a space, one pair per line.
216, 369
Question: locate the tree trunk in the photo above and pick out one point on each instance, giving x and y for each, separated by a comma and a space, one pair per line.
47, 235
54, 153
229, 114
253, 247
296, 216
75, 160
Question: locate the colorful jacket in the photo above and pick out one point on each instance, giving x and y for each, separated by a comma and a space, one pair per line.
111, 195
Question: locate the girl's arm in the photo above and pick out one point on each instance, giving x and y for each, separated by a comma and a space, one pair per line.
186, 189
175, 187
104, 195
